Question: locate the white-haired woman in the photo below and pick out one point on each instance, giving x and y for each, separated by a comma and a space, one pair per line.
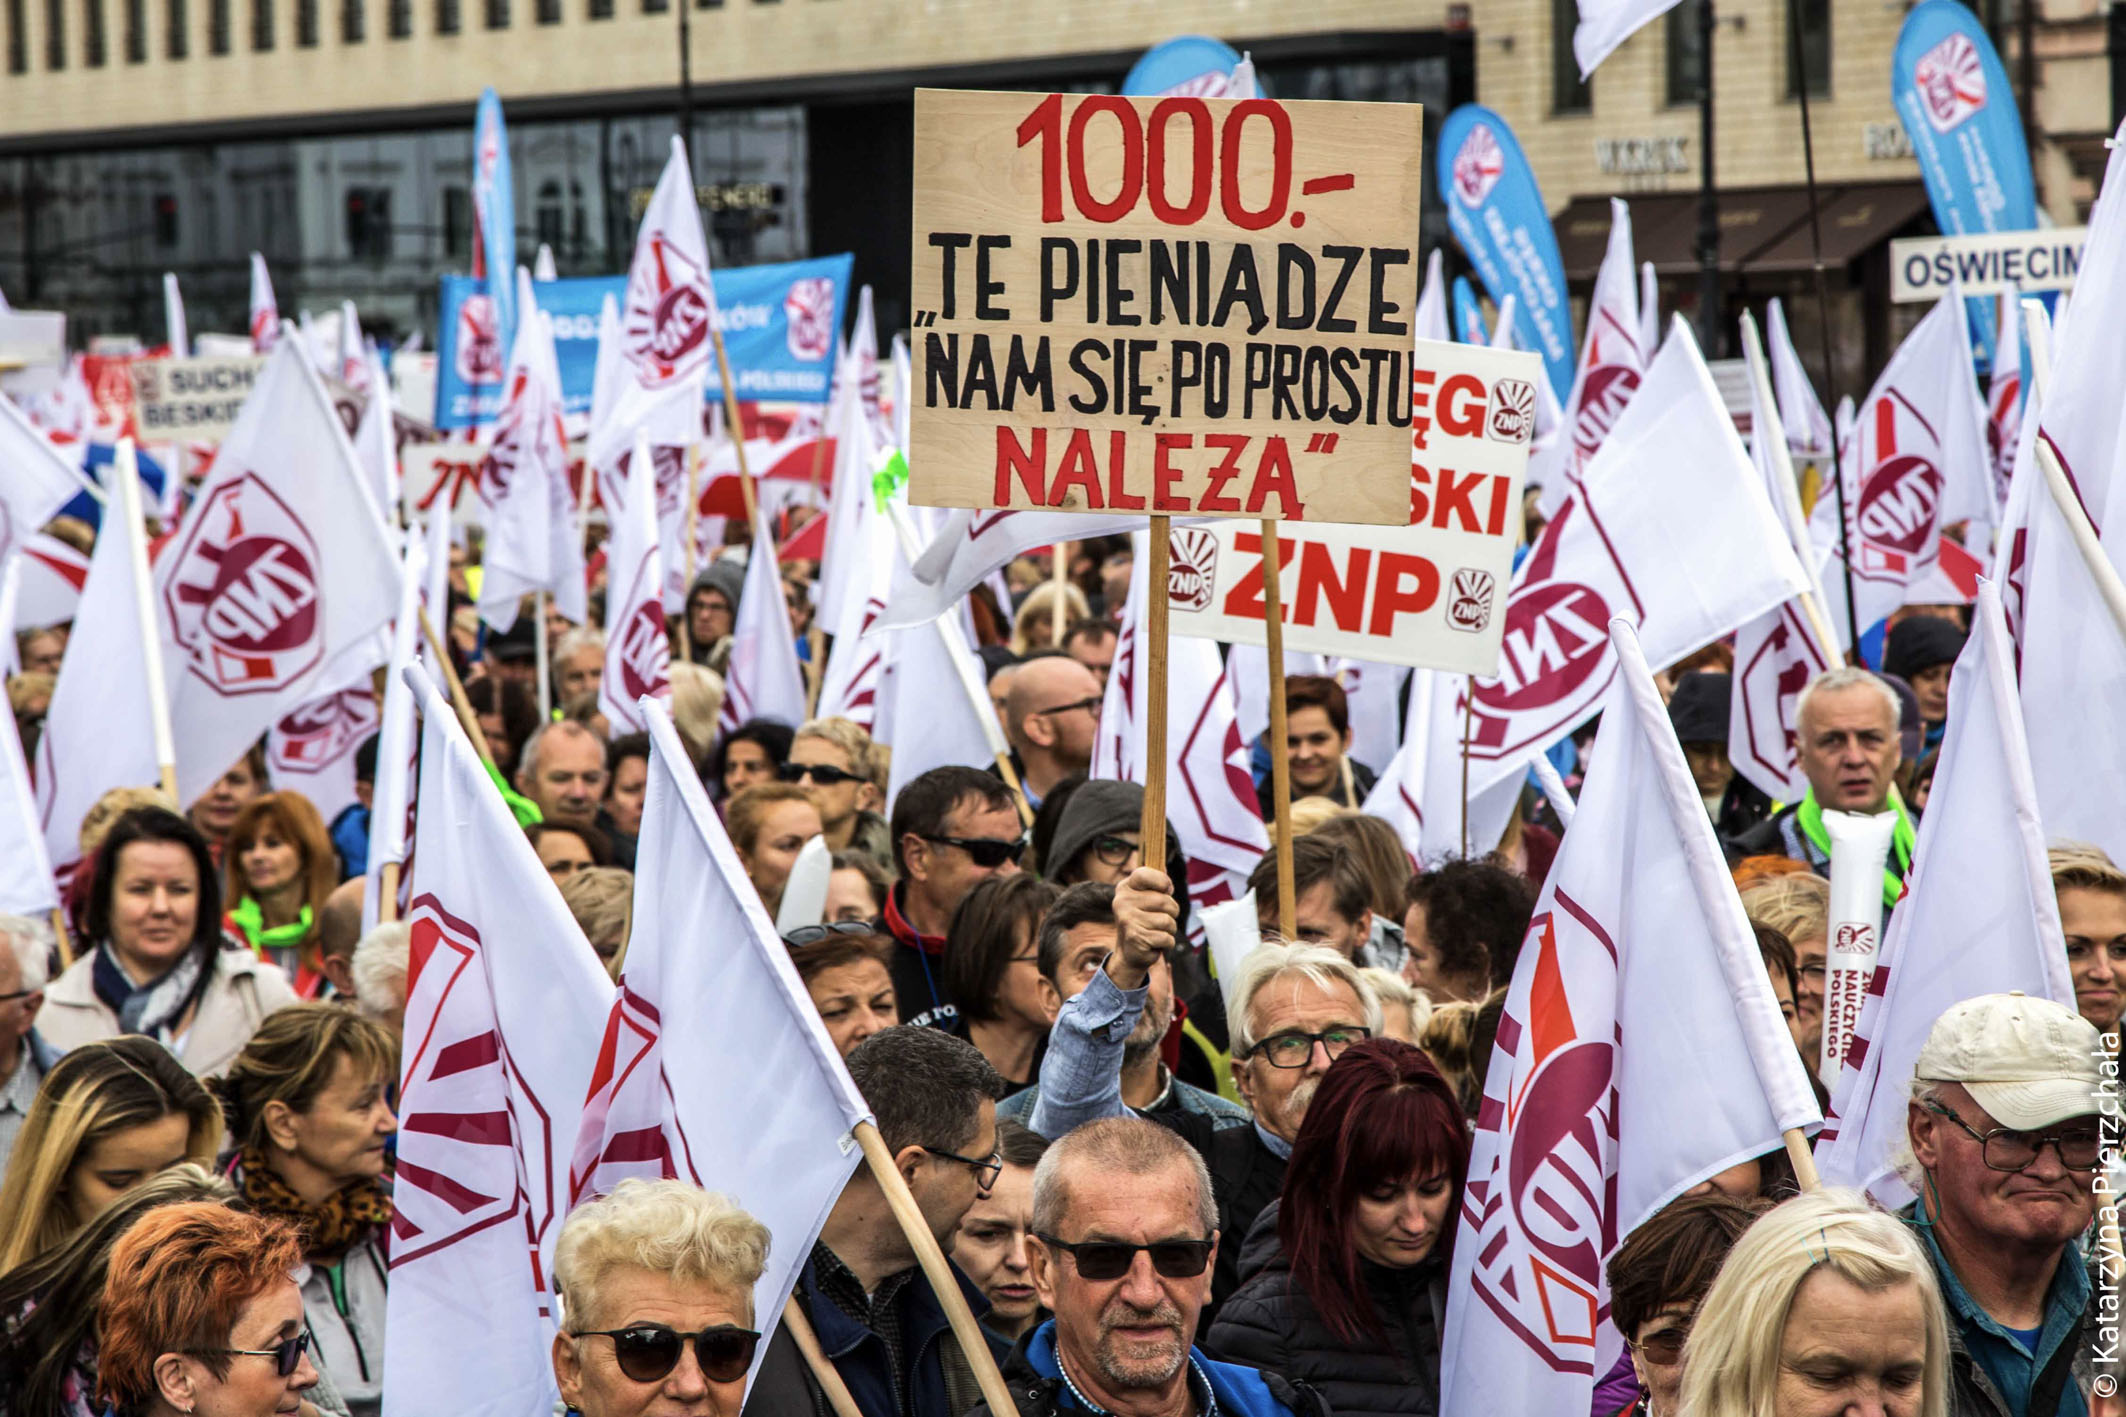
1825, 1306
656, 1285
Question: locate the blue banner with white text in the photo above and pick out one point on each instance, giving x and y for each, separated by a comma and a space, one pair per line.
1497, 213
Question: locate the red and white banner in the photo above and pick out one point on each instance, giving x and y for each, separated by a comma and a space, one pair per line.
39, 481
763, 678
704, 956
666, 322
1639, 998
265, 310
1978, 916
505, 1005
278, 579
311, 750
533, 542
1612, 360
1669, 528
1210, 792
637, 649
1420, 791
1917, 460
53, 574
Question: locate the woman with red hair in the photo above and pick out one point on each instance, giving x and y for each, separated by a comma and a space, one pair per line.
1343, 1281
200, 1315
281, 865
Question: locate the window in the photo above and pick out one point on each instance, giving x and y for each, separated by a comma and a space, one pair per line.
369, 223
136, 31
1686, 53
549, 12
18, 38
261, 24
1812, 44
1567, 93
498, 14
401, 21
599, 9
447, 21
217, 26
548, 213
55, 34
457, 224
165, 221
354, 21
306, 24
180, 43
92, 52
655, 7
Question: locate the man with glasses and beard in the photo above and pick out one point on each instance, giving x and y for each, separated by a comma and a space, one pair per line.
877, 1318
953, 828
2005, 1145
1125, 1229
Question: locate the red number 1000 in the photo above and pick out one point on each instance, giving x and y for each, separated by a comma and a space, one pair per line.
1145, 156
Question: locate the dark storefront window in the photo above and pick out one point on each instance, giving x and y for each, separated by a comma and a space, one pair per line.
1567, 93
261, 24
218, 26
136, 31
306, 23
179, 41
18, 41
55, 34
1814, 45
92, 33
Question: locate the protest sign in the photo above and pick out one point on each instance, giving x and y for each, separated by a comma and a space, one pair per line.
191, 400
1209, 305
1426, 594
1922, 268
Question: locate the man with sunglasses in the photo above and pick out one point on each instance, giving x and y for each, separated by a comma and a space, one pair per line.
2006, 1139
1051, 715
953, 828
934, 1099
835, 762
1125, 1228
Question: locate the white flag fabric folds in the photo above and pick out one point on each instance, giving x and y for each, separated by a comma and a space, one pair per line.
38, 482
670, 307
858, 566
2081, 413
505, 1006
709, 992
1210, 794
1639, 998
26, 884
1808, 430
265, 311
637, 651
1605, 24
311, 749
532, 539
375, 446
398, 734
1420, 791
1978, 917
971, 544
52, 576
1612, 359
175, 334
1431, 322
278, 578
763, 678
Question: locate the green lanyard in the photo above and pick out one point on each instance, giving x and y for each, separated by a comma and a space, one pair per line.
1809, 816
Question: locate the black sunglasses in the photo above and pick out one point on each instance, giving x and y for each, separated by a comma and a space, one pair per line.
647, 1353
820, 773
287, 1355
1111, 1259
812, 934
986, 852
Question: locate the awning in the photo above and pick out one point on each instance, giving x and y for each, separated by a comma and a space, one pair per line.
1762, 229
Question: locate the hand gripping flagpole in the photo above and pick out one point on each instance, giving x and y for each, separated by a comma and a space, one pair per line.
1280, 757
125, 470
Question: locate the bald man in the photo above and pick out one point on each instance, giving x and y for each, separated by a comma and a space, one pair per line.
1051, 714
339, 930
562, 769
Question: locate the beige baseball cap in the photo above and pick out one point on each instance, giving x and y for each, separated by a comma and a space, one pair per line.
2029, 1062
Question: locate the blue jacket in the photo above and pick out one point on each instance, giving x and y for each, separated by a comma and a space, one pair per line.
1037, 1387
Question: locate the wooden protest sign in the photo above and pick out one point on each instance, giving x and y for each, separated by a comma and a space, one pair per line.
1176, 305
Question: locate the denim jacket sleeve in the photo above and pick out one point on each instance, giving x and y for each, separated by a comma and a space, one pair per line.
1081, 1076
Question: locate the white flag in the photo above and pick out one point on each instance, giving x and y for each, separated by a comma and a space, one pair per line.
1210, 793
311, 750
666, 322
856, 570
1431, 322
278, 579
173, 318
1605, 24
1916, 460
398, 735
532, 539
505, 1005
99, 729
637, 650
704, 956
1978, 915
26, 885
926, 711
2004, 395
1808, 430
52, 576
1670, 527
353, 360
39, 480
763, 678
265, 311
2081, 413
1639, 998
1649, 309
1420, 791
1612, 360
971, 544
375, 443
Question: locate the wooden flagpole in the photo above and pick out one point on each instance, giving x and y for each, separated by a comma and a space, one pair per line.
737, 428
1280, 756
686, 606
64, 941
387, 904
815, 665
545, 664
1059, 572
1468, 720
125, 469
942, 1283
1804, 1160
824, 1372
467, 719
1153, 823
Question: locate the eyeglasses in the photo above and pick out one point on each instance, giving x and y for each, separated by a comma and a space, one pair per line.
1091, 706
821, 773
1115, 850
1664, 1348
1111, 1259
812, 934
650, 1352
2004, 1149
1292, 1050
986, 1169
987, 852
19, 994
287, 1355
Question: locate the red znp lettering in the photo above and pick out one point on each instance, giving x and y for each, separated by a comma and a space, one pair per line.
1318, 579
1393, 596
1245, 598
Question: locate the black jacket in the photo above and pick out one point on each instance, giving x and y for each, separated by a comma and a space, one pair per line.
1246, 1176
1271, 1323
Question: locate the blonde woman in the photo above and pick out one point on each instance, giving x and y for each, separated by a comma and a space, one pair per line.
1798, 906
656, 1284
602, 898
1033, 625
1826, 1305
109, 1116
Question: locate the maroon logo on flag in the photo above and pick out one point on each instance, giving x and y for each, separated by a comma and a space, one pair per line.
1602, 397
1470, 607
645, 653
1556, 637
322, 731
1951, 80
1478, 165
1899, 504
264, 327
479, 353
243, 594
1777, 669
809, 311
667, 314
1192, 571
1854, 937
498, 470
1512, 411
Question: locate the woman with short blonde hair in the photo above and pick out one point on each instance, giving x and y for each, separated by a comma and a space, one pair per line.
688, 1259
1787, 1309
602, 898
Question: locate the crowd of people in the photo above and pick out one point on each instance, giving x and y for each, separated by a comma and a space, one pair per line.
1161, 1191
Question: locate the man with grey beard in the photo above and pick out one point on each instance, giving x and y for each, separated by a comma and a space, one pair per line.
1125, 1230
1076, 937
